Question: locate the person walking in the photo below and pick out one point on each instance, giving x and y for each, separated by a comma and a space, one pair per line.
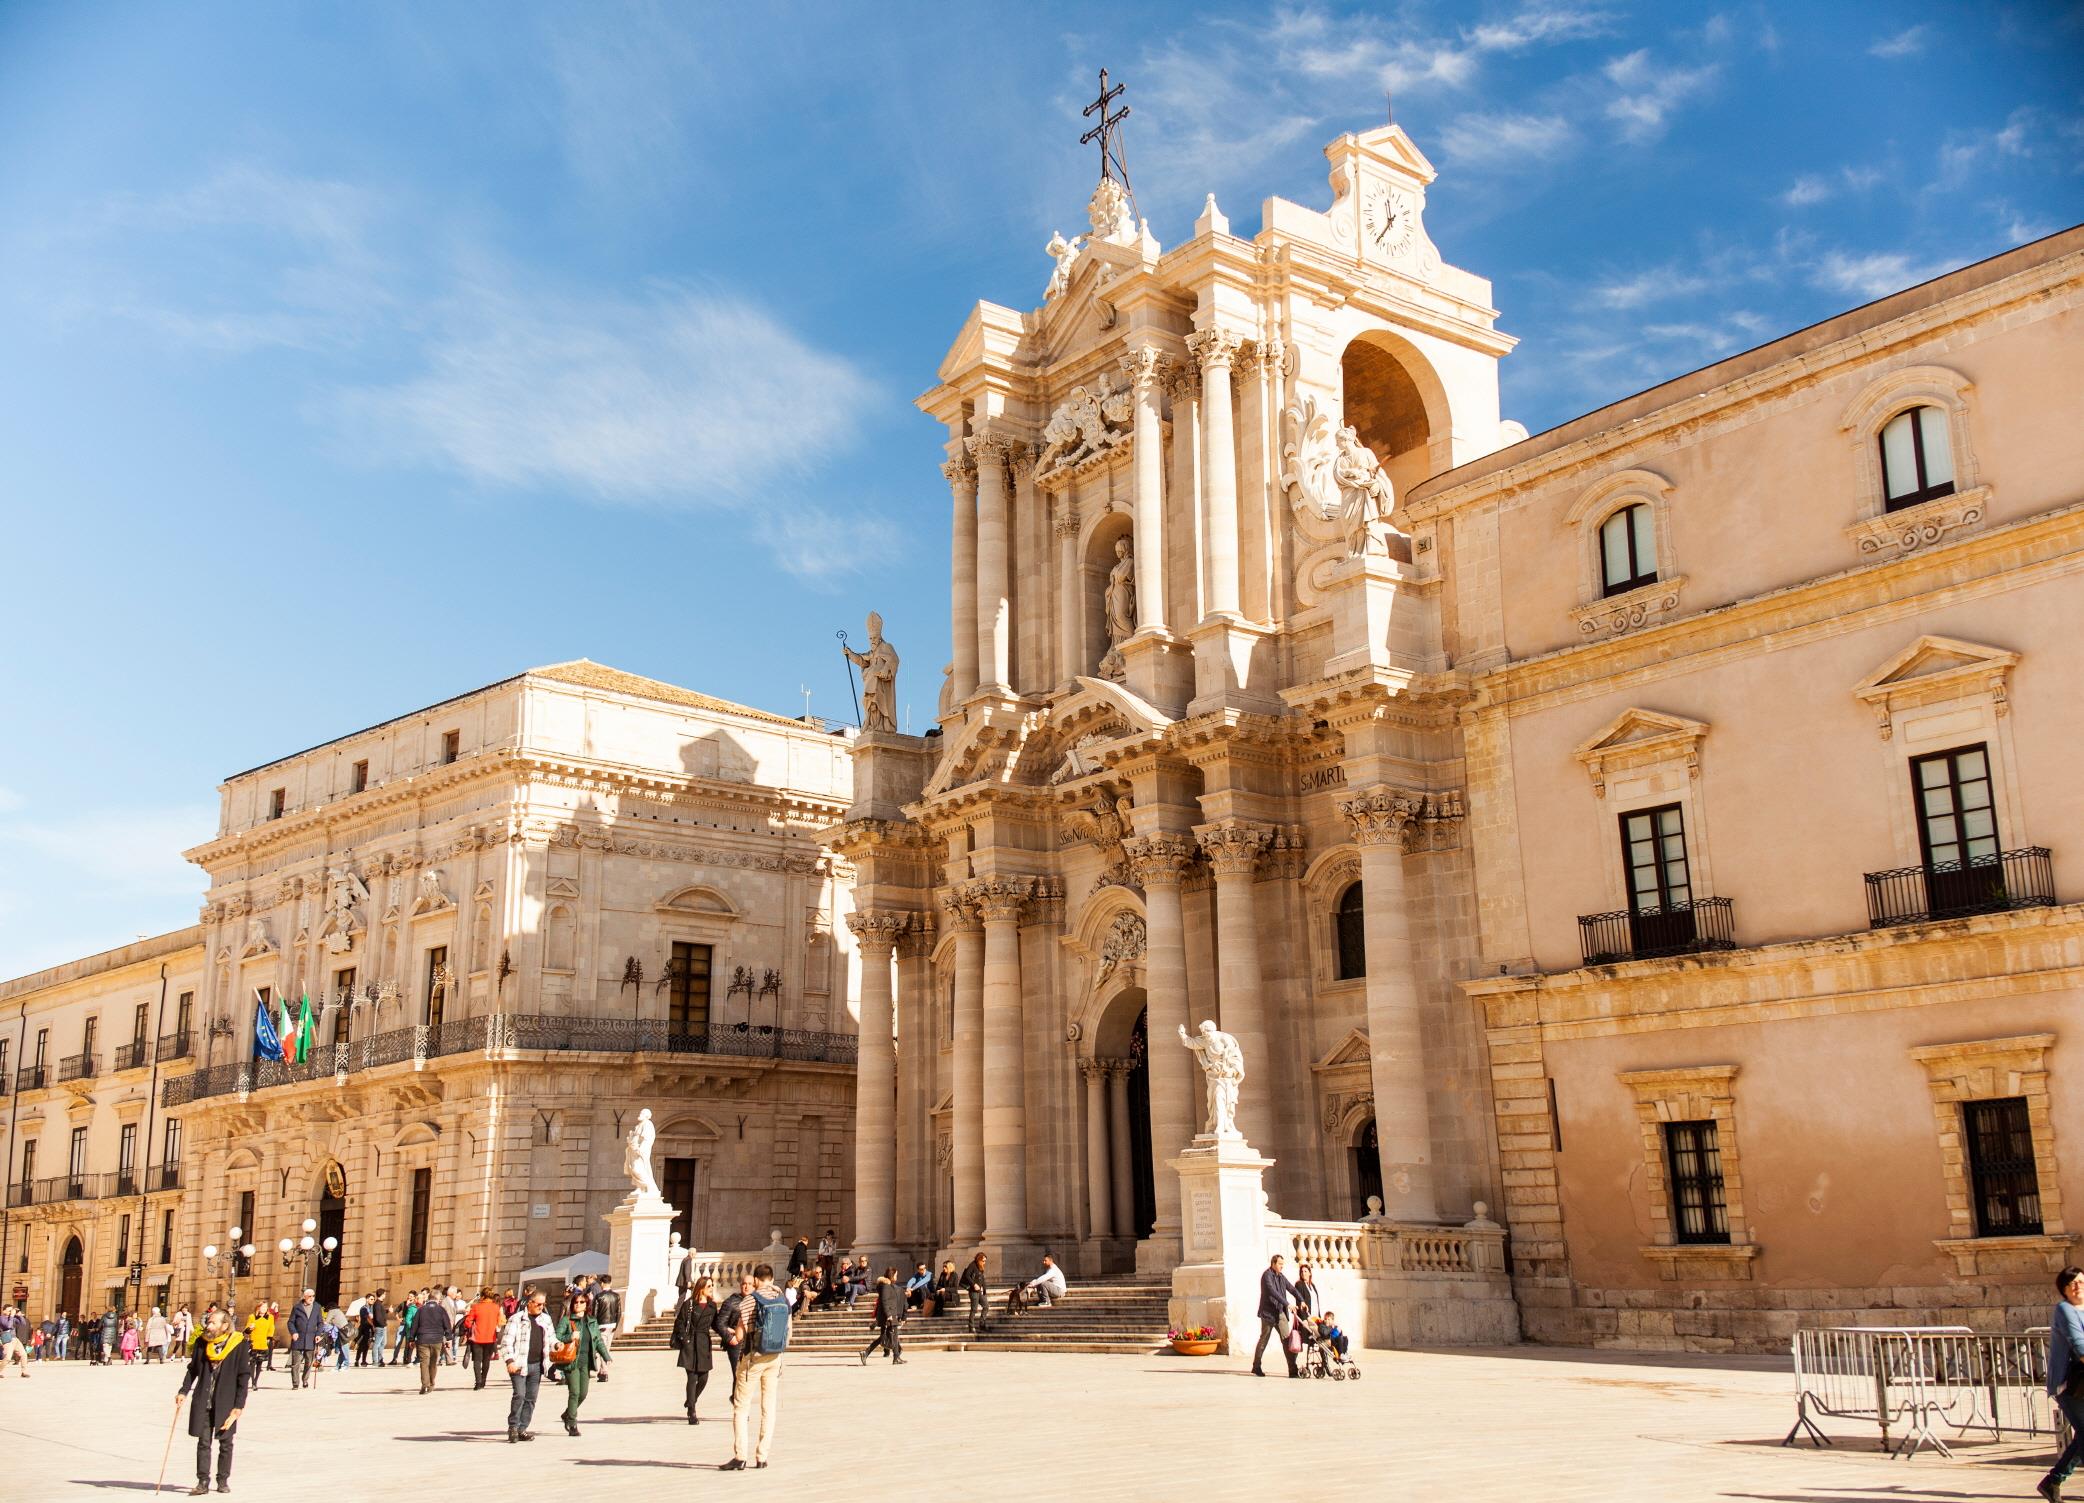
158, 1332
694, 1341
1307, 1302
342, 1335
607, 1314
799, 1258
481, 1323
106, 1337
219, 1375
1276, 1297
578, 1329
2066, 1376
184, 1332
408, 1316
64, 1335
14, 1341
260, 1334
761, 1340
302, 1331
524, 1346
890, 1313
734, 1315
379, 1317
431, 1333
132, 1341
976, 1283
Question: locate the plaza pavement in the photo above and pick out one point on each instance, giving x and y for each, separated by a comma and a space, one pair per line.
1526, 1423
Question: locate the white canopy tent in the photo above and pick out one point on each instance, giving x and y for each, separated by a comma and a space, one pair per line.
564, 1269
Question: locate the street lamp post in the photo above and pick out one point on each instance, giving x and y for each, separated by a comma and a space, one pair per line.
234, 1254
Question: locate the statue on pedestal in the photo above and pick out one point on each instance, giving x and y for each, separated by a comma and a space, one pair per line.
878, 668
1222, 1071
636, 1157
1121, 610
1365, 496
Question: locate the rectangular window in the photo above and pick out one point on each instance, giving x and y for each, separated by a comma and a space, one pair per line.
87, 1031
1699, 1212
3, 1061
1917, 458
688, 1005
28, 1166
276, 798
2001, 1169
43, 1044
170, 1150
451, 745
1957, 831
184, 1012
123, 1242
344, 995
76, 1165
437, 984
139, 1022
416, 1228
166, 1237
358, 777
126, 1160
1660, 886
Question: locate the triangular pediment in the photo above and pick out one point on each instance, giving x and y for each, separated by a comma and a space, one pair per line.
1389, 146
1932, 660
1636, 728
1350, 1050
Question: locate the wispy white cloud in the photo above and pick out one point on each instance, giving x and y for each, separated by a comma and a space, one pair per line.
1904, 43
1817, 187
626, 82
1481, 140
819, 545
1648, 92
77, 884
1210, 120
682, 398
1807, 189
1656, 284
1874, 274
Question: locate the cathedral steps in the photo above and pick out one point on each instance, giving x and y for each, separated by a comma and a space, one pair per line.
1121, 1315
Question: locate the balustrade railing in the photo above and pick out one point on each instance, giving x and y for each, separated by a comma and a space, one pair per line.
134, 1055
78, 1067
1955, 889
62, 1187
1340, 1247
176, 1045
163, 1177
1641, 934
31, 1078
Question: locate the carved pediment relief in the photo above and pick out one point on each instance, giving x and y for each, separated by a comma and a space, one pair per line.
563, 887
1641, 738
1350, 1050
706, 901
429, 898
1935, 669
484, 892
258, 941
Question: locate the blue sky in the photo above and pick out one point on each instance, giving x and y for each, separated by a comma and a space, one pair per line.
352, 356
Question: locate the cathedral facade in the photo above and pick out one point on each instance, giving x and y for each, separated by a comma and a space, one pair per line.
1294, 689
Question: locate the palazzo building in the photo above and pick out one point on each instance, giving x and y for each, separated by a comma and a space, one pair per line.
520, 916
1417, 802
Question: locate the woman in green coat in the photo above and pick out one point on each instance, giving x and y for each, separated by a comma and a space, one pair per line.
577, 1324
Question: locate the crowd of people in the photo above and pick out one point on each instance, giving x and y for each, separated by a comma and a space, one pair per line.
103, 1340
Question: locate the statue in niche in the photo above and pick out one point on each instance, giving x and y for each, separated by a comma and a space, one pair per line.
636, 1157
878, 668
1365, 496
1121, 610
1222, 1071
1065, 253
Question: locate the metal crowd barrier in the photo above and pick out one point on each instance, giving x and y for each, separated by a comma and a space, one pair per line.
1912, 1379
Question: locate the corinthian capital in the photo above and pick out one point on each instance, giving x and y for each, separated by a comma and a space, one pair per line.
1380, 814
1146, 366
878, 928
1159, 860
990, 449
1000, 899
1233, 846
962, 475
959, 914
1215, 348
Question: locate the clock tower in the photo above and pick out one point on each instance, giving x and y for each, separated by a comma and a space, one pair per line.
1379, 180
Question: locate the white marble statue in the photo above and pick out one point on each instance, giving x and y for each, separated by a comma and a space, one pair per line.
1065, 254
1365, 496
1121, 595
1222, 1071
878, 668
636, 1157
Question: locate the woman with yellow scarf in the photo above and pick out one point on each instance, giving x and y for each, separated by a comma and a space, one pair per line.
219, 1373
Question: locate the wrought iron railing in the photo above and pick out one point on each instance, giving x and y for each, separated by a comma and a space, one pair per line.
515, 1032
1640, 934
31, 1078
78, 1067
1954, 889
163, 1177
176, 1045
61, 1187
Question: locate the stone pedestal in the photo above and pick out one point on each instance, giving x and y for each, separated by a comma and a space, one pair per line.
638, 1235
1376, 616
1222, 1239
889, 770
1229, 666
1159, 669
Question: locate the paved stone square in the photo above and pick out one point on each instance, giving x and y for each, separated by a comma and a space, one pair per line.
1520, 1424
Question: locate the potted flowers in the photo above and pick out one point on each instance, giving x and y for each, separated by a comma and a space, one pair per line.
1194, 1341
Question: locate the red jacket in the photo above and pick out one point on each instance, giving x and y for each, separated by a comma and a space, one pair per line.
481, 1322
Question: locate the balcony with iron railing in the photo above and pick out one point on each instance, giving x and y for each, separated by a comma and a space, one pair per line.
32, 1077
1643, 934
78, 1067
63, 1187
1957, 889
507, 1034
163, 1177
179, 1044
134, 1055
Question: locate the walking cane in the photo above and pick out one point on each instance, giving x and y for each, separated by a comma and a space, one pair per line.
165, 1455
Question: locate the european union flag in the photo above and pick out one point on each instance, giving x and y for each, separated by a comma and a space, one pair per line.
267, 1043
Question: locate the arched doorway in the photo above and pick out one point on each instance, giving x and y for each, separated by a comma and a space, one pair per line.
70, 1267
1367, 1167
332, 1222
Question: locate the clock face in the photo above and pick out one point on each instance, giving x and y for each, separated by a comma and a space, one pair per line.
1389, 221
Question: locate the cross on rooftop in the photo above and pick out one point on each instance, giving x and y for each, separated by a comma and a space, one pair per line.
1108, 131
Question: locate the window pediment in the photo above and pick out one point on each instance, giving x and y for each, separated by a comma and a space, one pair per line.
704, 902
1937, 670
1638, 739
1351, 1050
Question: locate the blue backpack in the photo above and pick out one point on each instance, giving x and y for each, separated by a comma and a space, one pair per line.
770, 1333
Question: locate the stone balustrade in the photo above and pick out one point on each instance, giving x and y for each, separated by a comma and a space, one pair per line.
1406, 1283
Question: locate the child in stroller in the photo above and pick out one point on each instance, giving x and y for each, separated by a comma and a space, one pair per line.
1325, 1347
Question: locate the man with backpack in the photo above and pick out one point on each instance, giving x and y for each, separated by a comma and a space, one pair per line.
761, 1335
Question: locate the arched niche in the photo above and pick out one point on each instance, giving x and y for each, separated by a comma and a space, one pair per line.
1096, 562
1394, 401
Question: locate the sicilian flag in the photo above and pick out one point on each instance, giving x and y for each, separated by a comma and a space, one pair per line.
267, 1043
307, 1032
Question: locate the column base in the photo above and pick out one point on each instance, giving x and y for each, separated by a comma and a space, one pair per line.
1159, 1252
1375, 617
1016, 1255
1231, 661
1158, 668
639, 1232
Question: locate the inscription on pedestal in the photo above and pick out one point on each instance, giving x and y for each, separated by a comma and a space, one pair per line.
1201, 1223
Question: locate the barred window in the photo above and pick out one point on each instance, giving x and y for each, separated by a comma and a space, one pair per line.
1699, 1211
2001, 1170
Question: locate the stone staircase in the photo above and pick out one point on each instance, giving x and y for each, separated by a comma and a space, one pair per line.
1120, 1314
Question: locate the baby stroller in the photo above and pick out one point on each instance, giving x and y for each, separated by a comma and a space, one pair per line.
1320, 1358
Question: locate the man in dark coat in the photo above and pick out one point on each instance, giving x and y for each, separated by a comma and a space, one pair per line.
302, 1324
379, 1321
799, 1258
890, 1313
694, 1342
1276, 1297
218, 1373
430, 1334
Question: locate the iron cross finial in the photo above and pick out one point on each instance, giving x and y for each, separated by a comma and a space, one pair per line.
1107, 131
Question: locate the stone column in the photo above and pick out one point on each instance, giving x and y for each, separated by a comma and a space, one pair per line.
1216, 348
1379, 815
999, 903
1122, 1172
876, 931
967, 1126
1070, 596
1233, 847
915, 1054
994, 567
1160, 860
962, 575
1099, 1191
1146, 368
